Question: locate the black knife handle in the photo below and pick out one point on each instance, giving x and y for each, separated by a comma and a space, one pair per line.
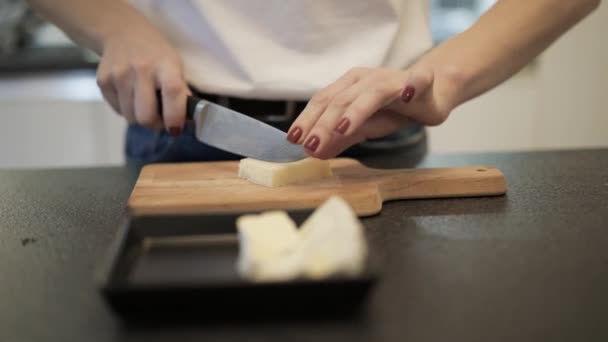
191, 103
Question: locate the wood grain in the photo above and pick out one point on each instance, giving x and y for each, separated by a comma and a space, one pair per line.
213, 187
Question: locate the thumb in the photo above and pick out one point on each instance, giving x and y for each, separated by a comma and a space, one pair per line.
418, 82
413, 96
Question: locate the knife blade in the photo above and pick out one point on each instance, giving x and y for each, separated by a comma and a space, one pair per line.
240, 134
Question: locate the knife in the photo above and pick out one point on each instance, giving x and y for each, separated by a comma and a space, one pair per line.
238, 133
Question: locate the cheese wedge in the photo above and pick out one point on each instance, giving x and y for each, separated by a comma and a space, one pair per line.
280, 174
333, 241
264, 241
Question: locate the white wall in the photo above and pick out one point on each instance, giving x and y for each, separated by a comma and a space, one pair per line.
558, 102
574, 78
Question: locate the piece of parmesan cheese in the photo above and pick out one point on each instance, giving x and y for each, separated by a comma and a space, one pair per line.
263, 240
280, 174
331, 241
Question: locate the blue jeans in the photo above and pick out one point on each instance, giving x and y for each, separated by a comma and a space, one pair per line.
144, 146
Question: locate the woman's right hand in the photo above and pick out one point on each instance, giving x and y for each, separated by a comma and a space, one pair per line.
135, 62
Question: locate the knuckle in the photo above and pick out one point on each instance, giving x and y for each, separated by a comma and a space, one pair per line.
322, 129
382, 89
141, 67
341, 102
103, 80
120, 74
437, 117
320, 99
357, 110
173, 87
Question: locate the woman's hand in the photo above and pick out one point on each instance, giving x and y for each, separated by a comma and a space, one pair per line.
367, 103
135, 58
135, 62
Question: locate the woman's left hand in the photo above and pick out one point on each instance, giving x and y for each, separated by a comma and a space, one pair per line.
367, 103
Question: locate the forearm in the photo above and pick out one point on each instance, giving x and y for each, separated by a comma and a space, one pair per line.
503, 41
90, 22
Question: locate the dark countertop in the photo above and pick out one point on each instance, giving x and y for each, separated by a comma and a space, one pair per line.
44, 59
529, 266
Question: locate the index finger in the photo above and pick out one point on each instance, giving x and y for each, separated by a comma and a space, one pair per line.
174, 92
299, 130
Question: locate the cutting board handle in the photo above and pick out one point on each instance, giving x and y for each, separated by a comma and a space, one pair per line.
440, 182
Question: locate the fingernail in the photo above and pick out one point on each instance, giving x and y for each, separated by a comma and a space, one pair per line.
312, 143
175, 131
407, 94
342, 126
294, 135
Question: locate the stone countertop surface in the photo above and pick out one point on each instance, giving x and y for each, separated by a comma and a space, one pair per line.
528, 266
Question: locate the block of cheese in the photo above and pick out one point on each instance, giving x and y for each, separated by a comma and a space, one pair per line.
333, 241
280, 174
265, 239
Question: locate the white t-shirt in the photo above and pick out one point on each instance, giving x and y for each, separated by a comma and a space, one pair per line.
287, 49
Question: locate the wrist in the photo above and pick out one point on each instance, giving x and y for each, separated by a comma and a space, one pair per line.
119, 27
455, 76
450, 82
114, 30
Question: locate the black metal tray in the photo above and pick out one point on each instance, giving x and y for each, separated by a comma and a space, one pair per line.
165, 266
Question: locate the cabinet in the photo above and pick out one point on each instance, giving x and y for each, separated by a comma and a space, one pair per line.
57, 120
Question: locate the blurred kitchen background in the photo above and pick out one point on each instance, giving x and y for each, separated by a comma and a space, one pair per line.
52, 114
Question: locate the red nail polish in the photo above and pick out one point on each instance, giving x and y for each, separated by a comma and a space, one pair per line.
312, 143
175, 131
342, 126
294, 135
407, 94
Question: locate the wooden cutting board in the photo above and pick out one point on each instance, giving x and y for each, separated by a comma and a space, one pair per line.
210, 187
